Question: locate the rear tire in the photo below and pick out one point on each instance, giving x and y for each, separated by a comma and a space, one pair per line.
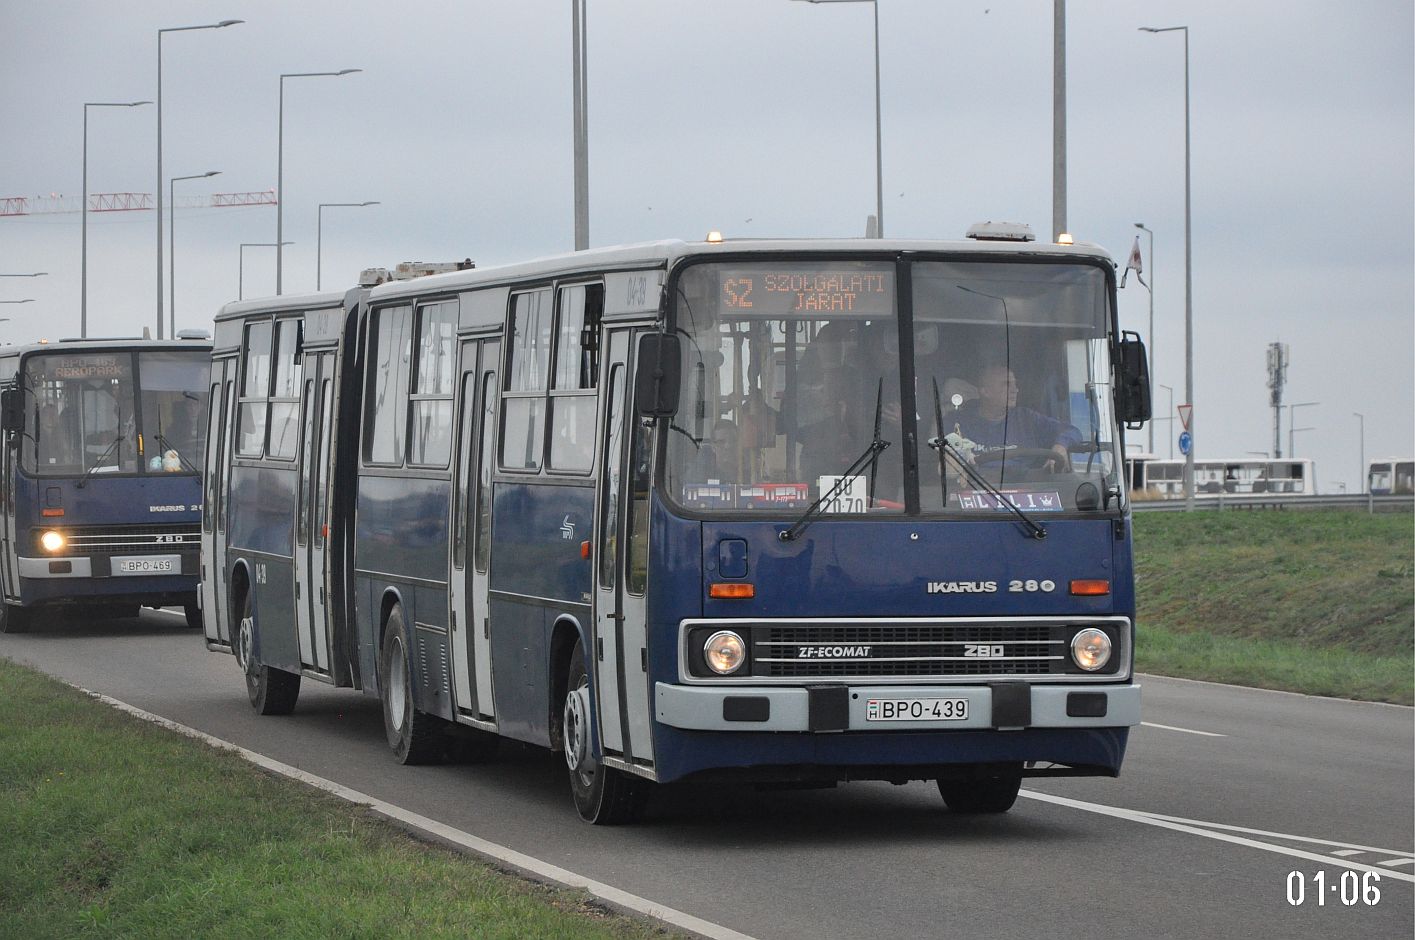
15, 619
271, 691
415, 736
992, 791
604, 796
193, 613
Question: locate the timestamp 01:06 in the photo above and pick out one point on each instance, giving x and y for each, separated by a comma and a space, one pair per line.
1349, 888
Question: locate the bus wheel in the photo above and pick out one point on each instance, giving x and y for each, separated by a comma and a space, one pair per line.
415, 736
993, 791
193, 613
603, 795
272, 691
14, 619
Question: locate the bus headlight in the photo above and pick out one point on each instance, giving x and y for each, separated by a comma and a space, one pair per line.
52, 541
724, 652
1090, 649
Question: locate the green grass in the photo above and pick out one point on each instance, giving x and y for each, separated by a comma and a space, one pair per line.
113, 827
1315, 602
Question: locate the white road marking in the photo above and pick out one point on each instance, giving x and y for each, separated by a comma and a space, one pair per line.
1348, 852
1348, 848
1194, 827
1207, 734
534, 866
1397, 861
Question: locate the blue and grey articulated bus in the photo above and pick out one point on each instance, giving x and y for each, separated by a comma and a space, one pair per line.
792, 512
100, 476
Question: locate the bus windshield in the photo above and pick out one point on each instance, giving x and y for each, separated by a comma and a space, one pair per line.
793, 370
116, 412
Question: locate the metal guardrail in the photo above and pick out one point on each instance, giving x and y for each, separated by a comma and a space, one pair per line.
1348, 501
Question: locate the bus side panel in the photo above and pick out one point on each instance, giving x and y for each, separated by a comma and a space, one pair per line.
262, 532
537, 573
433, 690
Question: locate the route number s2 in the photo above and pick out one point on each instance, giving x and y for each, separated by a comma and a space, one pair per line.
1030, 585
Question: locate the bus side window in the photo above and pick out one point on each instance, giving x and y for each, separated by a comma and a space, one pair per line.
285, 394
390, 349
255, 389
431, 439
572, 399
528, 361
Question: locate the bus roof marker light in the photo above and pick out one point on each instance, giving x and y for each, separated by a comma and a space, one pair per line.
714, 237
1065, 239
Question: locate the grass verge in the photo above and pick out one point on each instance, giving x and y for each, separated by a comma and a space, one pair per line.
117, 828
1315, 602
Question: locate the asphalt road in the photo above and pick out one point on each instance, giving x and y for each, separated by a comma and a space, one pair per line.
1195, 839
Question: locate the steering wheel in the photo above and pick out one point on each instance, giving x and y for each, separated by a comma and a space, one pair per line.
1029, 458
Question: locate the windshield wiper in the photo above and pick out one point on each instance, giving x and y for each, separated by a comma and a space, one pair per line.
941, 444
869, 458
99, 462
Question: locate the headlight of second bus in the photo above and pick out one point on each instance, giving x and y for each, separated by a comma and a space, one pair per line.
52, 541
724, 652
1090, 648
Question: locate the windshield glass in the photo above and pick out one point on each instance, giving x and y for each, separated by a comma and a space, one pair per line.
1012, 367
85, 412
791, 370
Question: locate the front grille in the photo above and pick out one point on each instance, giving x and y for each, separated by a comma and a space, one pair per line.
909, 650
128, 539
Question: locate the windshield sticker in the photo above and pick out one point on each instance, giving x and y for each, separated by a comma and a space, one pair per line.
1027, 502
853, 496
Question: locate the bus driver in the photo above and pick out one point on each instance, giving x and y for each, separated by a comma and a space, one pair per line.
994, 420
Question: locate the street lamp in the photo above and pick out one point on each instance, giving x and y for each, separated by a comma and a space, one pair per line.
83, 241
580, 145
319, 234
280, 172
1150, 288
1188, 277
173, 29
1292, 419
1365, 476
172, 236
241, 272
879, 140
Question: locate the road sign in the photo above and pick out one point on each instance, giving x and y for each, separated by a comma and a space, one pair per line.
1186, 441
1185, 412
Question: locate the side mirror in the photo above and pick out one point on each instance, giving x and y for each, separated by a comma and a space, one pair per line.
12, 409
1132, 396
657, 375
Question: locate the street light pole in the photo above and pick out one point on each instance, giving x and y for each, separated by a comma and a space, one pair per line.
319, 236
1188, 277
83, 211
1150, 288
879, 134
172, 241
280, 172
160, 178
1058, 128
1365, 476
579, 64
241, 271
1170, 419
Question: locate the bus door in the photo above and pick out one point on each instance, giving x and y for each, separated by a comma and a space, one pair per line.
8, 481
471, 536
620, 658
215, 616
310, 626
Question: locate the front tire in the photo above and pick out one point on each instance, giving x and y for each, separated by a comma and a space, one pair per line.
604, 796
415, 736
271, 691
993, 790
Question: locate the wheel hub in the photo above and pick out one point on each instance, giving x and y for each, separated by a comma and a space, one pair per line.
397, 686
577, 710
245, 639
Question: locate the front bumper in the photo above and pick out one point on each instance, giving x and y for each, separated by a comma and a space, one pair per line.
999, 706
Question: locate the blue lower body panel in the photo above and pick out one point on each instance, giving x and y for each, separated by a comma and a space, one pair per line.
880, 755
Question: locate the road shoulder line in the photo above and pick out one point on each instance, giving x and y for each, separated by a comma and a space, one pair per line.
534, 867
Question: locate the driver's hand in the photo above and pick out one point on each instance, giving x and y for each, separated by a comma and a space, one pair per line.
1061, 463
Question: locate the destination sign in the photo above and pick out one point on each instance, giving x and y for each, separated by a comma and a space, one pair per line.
804, 290
87, 367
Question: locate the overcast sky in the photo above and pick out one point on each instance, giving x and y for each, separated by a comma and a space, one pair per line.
756, 117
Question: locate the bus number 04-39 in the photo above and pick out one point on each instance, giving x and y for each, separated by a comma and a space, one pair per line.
1030, 585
